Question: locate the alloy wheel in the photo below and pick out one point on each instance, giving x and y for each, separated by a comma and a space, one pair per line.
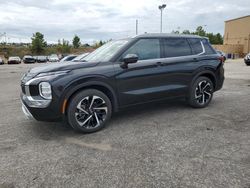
91, 111
203, 92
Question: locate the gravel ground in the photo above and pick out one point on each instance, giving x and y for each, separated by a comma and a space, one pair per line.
156, 145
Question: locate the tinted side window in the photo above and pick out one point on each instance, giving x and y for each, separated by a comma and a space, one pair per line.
70, 58
175, 47
145, 49
196, 45
208, 48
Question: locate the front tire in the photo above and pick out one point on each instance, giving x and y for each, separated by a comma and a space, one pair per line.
201, 92
89, 110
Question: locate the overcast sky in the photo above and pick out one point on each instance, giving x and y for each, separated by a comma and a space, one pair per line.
105, 19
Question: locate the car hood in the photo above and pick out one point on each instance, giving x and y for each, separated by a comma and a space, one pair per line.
59, 66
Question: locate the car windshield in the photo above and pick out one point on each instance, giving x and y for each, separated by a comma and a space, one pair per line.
80, 57
105, 52
14, 58
63, 59
41, 57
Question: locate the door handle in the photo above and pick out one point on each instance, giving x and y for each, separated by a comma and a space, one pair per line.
195, 59
159, 64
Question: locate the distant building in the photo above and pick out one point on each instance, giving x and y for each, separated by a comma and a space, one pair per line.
237, 32
236, 37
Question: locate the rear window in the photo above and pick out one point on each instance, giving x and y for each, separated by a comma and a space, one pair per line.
175, 47
196, 45
208, 48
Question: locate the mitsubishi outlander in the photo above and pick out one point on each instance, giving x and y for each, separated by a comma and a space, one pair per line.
122, 73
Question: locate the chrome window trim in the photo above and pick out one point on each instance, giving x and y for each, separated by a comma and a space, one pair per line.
203, 48
176, 57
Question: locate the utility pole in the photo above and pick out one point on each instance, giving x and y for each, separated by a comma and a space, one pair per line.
161, 7
248, 43
136, 27
5, 38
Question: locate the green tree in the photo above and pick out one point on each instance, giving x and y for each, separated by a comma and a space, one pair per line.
76, 42
213, 38
63, 47
187, 32
38, 43
219, 38
101, 43
200, 31
175, 32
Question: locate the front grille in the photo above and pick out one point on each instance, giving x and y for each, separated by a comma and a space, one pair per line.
23, 89
33, 89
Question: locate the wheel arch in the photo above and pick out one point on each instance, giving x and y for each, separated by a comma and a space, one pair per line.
98, 85
207, 73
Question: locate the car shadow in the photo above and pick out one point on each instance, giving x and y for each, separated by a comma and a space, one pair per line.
149, 108
54, 130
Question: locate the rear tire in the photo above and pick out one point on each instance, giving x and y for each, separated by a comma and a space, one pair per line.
89, 110
201, 92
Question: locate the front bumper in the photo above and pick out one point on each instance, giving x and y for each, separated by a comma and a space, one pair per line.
14, 62
247, 61
49, 113
27, 112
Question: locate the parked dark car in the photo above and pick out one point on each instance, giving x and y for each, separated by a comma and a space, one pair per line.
14, 60
68, 58
28, 59
41, 59
247, 59
223, 55
120, 74
1, 61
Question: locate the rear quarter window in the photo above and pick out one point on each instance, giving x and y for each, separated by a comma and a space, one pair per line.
208, 48
196, 46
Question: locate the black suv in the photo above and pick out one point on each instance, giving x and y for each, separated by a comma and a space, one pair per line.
120, 74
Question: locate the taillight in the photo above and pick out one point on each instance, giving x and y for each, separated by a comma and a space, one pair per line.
222, 59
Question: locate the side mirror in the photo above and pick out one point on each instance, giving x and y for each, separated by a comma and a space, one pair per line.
130, 58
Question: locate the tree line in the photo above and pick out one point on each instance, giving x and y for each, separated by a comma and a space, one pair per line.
213, 38
39, 45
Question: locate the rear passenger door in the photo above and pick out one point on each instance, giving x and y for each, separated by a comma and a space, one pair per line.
177, 66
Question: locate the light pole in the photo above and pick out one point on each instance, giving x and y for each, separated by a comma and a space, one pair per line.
161, 7
136, 27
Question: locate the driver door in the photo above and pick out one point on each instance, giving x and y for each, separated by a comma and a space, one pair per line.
140, 81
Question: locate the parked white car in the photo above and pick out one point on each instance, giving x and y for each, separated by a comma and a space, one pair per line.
53, 58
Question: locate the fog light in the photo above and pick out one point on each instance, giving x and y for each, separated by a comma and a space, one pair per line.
45, 90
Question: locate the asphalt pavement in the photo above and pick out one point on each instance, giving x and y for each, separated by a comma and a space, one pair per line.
166, 144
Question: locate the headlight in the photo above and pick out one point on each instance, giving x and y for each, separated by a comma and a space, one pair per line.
42, 80
45, 90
